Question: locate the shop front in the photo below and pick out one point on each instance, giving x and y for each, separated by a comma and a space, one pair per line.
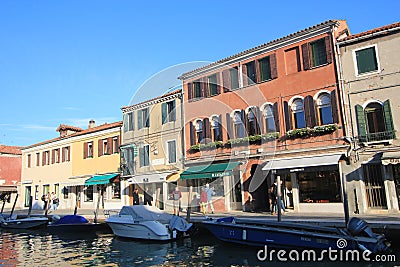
223, 178
311, 183
103, 191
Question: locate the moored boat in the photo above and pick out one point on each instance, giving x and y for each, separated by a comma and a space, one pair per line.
147, 222
23, 223
357, 235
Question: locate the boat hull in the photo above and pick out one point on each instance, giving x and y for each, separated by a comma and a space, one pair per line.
148, 230
291, 237
24, 223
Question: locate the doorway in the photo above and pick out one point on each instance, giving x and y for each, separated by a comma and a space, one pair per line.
374, 186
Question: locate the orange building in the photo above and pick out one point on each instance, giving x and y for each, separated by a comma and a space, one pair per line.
273, 110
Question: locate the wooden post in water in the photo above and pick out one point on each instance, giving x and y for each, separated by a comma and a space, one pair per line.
30, 206
100, 193
76, 202
189, 204
279, 199
4, 203
13, 207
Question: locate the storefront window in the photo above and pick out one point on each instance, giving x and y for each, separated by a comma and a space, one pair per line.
216, 183
319, 187
89, 193
115, 190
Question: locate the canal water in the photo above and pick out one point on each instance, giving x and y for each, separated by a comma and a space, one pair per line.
40, 248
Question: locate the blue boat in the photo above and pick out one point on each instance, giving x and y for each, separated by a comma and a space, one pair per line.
357, 235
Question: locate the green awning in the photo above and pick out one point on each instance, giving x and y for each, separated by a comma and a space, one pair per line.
100, 179
209, 171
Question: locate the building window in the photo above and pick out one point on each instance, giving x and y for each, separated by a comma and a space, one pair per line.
128, 159
251, 73
143, 118
144, 156
56, 155
216, 128
265, 69
251, 121
46, 189
37, 159
375, 122
116, 190
213, 85
171, 151
129, 121
29, 159
88, 150
268, 114
105, 147
324, 109
298, 114
197, 89
238, 124
88, 193
319, 187
233, 73
168, 111
115, 145
46, 158
199, 130
318, 53
36, 192
366, 60
66, 154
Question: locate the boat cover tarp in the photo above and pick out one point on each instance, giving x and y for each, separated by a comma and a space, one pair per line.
151, 213
72, 219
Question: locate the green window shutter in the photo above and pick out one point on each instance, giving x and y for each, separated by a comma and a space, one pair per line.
361, 123
173, 112
265, 69
139, 119
164, 112
125, 122
388, 119
366, 60
141, 157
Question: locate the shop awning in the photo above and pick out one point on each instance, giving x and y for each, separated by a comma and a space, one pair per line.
390, 158
209, 171
302, 162
174, 177
100, 179
76, 181
8, 188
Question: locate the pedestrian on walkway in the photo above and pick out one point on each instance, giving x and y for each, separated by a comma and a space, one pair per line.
54, 201
176, 196
210, 193
147, 197
203, 201
136, 196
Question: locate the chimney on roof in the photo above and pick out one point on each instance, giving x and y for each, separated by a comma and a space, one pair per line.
92, 124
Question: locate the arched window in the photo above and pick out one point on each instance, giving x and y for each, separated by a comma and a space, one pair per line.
216, 128
238, 124
375, 119
324, 109
298, 113
268, 114
251, 121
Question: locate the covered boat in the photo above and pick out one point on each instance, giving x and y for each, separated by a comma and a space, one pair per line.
357, 235
147, 222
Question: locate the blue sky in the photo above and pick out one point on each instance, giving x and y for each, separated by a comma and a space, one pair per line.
71, 61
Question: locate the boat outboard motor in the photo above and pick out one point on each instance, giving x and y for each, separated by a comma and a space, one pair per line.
357, 226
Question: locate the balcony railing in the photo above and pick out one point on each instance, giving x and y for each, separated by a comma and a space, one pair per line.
375, 137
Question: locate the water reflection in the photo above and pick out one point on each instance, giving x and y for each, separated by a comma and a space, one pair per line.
37, 248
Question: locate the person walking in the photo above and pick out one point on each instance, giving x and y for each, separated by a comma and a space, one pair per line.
136, 196
147, 197
54, 201
176, 196
210, 193
45, 201
203, 201
273, 194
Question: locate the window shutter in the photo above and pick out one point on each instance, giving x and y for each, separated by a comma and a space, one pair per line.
100, 148
109, 145
276, 116
207, 130
334, 106
192, 137
226, 79
132, 121
53, 156
173, 111
139, 119
229, 125
361, 123
205, 88
245, 77
305, 49
141, 156
309, 110
219, 137
288, 117
85, 150
273, 66
388, 119
258, 123
148, 117
328, 47
118, 142
218, 85
43, 158
125, 119
63, 155
164, 112
190, 91
257, 69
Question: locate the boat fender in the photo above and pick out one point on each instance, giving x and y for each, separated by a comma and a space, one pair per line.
244, 235
357, 226
55, 218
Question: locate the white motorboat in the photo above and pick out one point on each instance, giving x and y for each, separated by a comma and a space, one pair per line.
147, 222
23, 223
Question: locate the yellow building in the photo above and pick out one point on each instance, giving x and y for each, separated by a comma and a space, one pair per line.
77, 165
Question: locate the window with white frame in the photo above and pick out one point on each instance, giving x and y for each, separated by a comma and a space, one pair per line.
268, 114
143, 117
297, 108
105, 146
199, 130
144, 155
238, 124
366, 60
324, 109
216, 128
